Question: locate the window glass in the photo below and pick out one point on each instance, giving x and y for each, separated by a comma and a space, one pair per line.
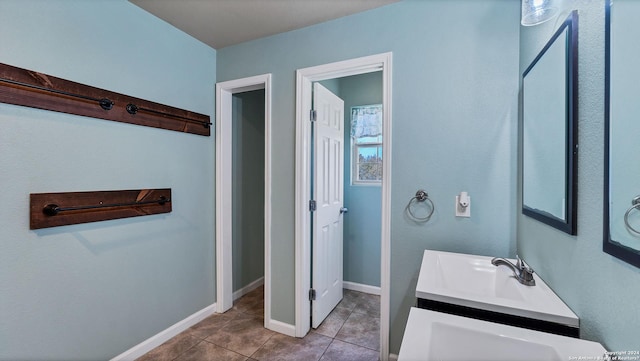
366, 142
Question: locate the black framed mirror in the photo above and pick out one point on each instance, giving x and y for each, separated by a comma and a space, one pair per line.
550, 131
621, 170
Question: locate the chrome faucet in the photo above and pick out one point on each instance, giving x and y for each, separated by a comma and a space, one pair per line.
522, 272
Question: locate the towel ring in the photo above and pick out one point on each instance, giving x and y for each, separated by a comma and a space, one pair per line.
421, 196
635, 204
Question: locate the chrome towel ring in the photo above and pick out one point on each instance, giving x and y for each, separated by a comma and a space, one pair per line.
420, 197
635, 204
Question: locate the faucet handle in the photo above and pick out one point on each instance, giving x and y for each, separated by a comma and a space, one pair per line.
519, 263
526, 273
523, 266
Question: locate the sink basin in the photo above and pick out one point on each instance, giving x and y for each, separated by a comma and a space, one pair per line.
472, 281
439, 336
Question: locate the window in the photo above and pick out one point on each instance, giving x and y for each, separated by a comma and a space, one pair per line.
366, 144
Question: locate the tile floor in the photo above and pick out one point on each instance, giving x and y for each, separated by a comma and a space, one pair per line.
351, 332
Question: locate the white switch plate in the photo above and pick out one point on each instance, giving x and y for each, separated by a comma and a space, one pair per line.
463, 211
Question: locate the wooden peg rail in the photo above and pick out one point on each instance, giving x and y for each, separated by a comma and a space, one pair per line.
37, 90
61, 209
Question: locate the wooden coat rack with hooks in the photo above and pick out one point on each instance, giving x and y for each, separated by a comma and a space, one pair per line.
61, 209
37, 90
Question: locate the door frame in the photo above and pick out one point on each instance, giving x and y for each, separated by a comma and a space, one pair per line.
224, 187
304, 79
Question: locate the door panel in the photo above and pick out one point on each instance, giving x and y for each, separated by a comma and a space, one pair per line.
329, 194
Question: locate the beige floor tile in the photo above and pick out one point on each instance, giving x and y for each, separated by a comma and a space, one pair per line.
333, 323
252, 302
349, 300
171, 349
369, 304
361, 329
205, 351
343, 351
285, 348
210, 325
244, 335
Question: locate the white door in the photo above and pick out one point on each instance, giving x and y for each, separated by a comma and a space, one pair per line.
328, 194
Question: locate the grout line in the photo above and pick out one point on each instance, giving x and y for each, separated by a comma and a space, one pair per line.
185, 351
261, 346
344, 323
247, 312
325, 350
355, 344
224, 348
358, 305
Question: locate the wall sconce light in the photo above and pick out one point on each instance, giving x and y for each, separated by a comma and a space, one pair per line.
536, 12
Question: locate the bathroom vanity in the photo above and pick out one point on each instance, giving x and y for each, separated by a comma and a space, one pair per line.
470, 308
471, 286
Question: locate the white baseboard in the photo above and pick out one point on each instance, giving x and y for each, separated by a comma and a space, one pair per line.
281, 327
361, 288
393, 357
162, 337
248, 288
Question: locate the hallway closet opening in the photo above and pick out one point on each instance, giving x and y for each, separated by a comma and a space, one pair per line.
248, 208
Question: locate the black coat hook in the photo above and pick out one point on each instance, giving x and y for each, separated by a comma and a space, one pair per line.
133, 109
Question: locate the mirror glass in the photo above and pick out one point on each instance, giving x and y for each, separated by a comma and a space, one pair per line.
549, 131
622, 169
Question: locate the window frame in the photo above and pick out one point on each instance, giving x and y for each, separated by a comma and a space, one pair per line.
355, 146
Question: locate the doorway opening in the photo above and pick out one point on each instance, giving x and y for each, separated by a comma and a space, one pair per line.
248, 196
363, 144
243, 190
304, 165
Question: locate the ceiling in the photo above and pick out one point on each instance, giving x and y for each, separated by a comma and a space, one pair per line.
220, 23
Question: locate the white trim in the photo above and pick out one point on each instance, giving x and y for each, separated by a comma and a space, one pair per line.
223, 198
385, 243
372, 290
393, 357
224, 184
304, 79
162, 337
248, 288
281, 327
302, 194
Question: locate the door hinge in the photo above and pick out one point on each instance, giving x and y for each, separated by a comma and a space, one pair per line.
313, 115
312, 295
312, 205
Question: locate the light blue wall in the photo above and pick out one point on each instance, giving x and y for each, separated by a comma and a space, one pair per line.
455, 86
92, 291
362, 223
625, 74
248, 188
332, 84
602, 290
